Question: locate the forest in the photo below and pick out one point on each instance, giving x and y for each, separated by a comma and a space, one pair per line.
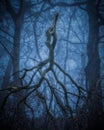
51, 64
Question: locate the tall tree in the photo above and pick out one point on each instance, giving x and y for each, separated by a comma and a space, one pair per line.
17, 17
93, 66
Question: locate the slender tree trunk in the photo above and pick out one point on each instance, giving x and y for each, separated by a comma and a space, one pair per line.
17, 18
93, 66
16, 52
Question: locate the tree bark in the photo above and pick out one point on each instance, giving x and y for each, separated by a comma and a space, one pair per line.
93, 66
16, 51
17, 18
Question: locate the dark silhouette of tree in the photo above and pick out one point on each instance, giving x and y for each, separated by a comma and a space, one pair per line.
93, 66
17, 18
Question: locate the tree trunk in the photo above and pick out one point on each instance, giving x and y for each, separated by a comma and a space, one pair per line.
93, 66
16, 52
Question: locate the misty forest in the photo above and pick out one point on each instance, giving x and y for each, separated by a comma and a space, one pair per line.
51, 64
